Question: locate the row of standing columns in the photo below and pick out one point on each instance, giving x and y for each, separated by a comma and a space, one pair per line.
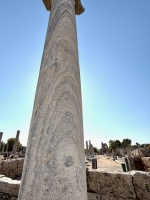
15, 146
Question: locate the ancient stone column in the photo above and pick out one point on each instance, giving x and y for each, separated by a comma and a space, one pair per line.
6, 147
1, 134
87, 150
54, 165
16, 142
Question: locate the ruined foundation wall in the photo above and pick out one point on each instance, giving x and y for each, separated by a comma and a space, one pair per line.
11, 168
104, 185
101, 185
9, 188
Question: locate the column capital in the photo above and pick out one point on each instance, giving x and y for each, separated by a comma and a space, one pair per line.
78, 6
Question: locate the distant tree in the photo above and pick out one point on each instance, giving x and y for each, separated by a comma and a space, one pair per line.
126, 142
112, 145
10, 143
118, 143
95, 149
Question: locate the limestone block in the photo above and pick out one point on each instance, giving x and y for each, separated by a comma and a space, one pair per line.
9, 186
146, 161
144, 152
5, 173
117, 184
20, 162
5, 165
148, 169
11, 173
93, 196
1, 166
12, 164
110, 197
19, 171
141, 181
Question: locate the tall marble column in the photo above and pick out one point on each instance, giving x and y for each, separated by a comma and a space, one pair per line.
1, 134
54, 165
16, 142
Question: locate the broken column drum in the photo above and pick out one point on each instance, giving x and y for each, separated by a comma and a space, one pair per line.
54, 165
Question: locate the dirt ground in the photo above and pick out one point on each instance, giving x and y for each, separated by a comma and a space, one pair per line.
106, 164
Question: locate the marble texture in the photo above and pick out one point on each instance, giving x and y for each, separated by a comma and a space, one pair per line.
16, 142
54, 165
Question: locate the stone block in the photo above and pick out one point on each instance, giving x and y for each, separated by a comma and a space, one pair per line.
144, 152
20, 162
5, 165
1, 166
9, 186
146, 161
5, 173
93, 196
110, 197
141, 181
12, 164
19, 171
117, 184
11, 173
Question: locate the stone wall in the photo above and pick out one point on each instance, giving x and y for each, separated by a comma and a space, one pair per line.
101, 185
8, 188
104, 185
11, 168
146, 163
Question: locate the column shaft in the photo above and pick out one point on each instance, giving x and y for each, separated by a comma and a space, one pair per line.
16, 142
54, 166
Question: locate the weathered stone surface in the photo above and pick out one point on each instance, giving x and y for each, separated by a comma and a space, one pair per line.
93, 196
111, 197
111, 183
16, 142
12, 164
144, 152
11, 168
4, 164
14, 198
141, 181
18, 172
20, 162
146, 161
54, 166
9, 186
1, 165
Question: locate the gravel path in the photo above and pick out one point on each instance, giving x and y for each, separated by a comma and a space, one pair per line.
106, 164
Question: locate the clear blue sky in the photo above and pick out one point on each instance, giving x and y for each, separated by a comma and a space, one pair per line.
114, 51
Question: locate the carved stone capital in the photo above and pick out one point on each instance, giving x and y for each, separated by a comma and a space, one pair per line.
78, 6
